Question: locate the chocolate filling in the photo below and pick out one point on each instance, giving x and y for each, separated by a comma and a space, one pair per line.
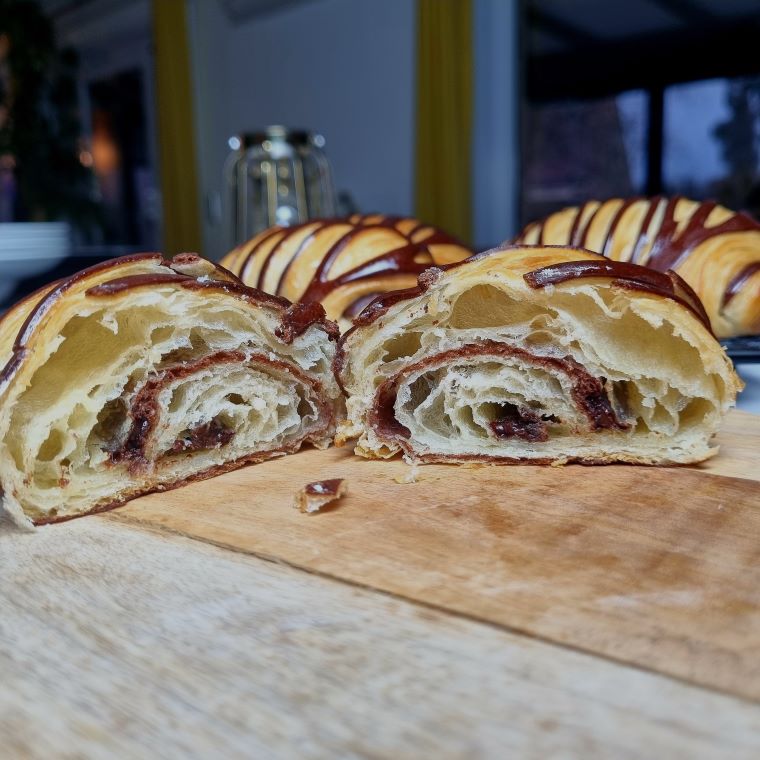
144, 410
515, 422
210, 435
383, 414
588, 393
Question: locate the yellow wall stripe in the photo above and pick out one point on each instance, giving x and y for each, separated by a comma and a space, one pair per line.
176, 135
444, 115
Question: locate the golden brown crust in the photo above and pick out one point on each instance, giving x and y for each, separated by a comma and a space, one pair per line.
161, 487
108, 278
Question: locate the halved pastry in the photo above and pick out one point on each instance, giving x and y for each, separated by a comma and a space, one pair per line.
716, 250
141, 374
342, 263
544, 355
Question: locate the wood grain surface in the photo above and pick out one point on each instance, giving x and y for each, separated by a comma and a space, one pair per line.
119, 642
739, 440
651, 566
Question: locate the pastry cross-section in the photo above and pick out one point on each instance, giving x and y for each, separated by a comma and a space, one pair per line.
542, 355
141, 374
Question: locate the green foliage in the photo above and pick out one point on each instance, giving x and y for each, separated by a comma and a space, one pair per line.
39, 120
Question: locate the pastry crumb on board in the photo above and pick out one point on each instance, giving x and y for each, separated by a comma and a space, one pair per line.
313, 496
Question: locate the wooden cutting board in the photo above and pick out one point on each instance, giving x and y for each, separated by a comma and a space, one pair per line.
656, 567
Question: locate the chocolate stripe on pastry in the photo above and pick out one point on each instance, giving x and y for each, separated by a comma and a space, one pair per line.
141, 374
709, 246
669, 285
483, 362
342, 262
740, 281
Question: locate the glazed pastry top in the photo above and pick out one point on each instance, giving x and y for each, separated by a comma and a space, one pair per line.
716, 250
342, 263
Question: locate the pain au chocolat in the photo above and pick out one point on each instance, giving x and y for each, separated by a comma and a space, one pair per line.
544, 355
342, 263
140, 374
717, 251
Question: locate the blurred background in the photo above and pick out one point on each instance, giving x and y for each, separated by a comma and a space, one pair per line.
119, 118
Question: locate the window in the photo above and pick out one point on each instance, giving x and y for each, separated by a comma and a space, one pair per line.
711, 141
623, 101
576, 150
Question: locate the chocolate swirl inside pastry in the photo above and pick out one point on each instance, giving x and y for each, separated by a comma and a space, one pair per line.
538, 355
141, 374
342, 263
716, 251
